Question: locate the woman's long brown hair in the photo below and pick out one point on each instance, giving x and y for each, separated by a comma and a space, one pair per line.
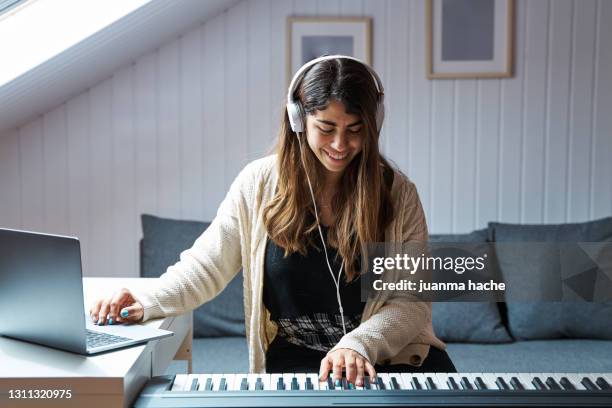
362, 207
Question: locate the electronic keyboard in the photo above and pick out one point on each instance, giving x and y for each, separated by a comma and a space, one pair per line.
387, 389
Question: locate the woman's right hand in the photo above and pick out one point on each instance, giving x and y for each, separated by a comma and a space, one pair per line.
119, 308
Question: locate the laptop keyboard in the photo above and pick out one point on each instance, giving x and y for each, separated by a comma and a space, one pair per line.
96, 339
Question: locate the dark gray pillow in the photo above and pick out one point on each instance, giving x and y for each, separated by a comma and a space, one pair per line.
473, 322
163, 241
546, 320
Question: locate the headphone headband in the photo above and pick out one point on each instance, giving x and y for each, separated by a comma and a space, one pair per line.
294, 108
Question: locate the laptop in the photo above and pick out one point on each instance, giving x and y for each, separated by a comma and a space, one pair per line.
41, 297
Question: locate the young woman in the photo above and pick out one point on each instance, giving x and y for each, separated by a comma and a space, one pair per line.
327, 183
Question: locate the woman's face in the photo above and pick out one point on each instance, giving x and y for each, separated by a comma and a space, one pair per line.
334, 136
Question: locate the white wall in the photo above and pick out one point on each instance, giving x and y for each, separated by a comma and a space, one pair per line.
167, 134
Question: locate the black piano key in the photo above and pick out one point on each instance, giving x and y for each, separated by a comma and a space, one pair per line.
223, 384
394, 384
480, 384
209, 385
280, 384
259, 384
566, 384
452, 384
244, 385
344, 384
552, 384
538, 384
430, 384
603, 384
588, 384
502, 384
194, 385
516, 384
330, 383
380, 383
366, 383
416, 385
309, 385
465, 384
294, 384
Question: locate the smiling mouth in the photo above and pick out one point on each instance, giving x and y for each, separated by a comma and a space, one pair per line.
336, 156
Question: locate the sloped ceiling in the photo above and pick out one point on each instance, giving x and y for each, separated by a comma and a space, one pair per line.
98, 56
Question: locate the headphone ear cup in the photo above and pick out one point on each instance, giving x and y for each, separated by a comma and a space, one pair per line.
294, 111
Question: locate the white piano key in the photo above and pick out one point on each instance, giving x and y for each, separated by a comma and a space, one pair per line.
251, 380
386, 380
274, 380
440, 379
489, 380
407, 380
287, 378
180, 381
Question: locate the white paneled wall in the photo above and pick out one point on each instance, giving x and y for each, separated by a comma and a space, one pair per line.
167, 134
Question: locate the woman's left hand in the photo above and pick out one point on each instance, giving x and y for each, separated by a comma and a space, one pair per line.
355, 364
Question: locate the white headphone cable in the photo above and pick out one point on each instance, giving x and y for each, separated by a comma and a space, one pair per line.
336, 281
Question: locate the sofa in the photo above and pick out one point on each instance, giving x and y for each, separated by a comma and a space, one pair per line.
481, 336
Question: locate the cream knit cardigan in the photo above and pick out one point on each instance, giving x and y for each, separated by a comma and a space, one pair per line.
394, 328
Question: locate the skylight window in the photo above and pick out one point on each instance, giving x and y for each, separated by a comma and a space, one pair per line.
45, 28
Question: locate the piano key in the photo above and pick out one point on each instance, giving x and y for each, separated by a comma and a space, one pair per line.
452, 383
366, 382
501, 383
441, 380
552, 383
412, 381
588, 384
194, 384
430, 383
314, 380
395, 383
300, 378
180, 382
380, 383
386, 381
288, 379
216, 381
274, 381
258, 382
538, 383
480, 384
566, 383
516, 383
466, 384
602, 383
489, 380
233, 381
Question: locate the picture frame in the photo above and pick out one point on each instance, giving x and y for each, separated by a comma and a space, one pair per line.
469, 39
312, 37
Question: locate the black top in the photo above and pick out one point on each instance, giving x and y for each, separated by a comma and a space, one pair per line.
300, 294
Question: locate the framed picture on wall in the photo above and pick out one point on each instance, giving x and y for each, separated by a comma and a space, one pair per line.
312, 37
469, 38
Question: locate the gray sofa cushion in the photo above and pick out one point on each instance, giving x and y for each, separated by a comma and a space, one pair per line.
163, 241
467, 321
537, 356
547, 320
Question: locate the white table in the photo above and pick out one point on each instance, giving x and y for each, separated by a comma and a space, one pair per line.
111, 379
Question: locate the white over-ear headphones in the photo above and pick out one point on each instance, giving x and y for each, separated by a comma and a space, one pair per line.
294, 107
296, 118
